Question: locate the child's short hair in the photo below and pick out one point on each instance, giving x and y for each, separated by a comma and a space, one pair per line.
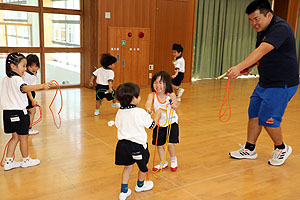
177, 47
13, 58
165, 78
32, 59
125, 92
107, 59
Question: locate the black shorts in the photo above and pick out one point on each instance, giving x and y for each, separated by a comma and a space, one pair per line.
102, 92
128, 153
29, 101
16, 121
178, 79
162, 135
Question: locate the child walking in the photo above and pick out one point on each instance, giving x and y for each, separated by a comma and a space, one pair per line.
14, 101
104, 79
179, 65
163, 98
132, 146
33, 65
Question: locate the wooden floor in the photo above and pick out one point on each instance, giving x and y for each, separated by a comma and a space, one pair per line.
77, 161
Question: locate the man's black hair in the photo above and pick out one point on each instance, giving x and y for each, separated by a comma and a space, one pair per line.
125, 92
177, 47
262, 5
32, 59
165, 78
107, 59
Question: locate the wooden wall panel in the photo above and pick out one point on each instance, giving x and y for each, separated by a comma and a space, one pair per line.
288, 10
174, 24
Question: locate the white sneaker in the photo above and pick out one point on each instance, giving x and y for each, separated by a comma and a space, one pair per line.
96, 113
178, 99
280, 155
159, 166
174, 165
148, 185
243, 153
123, 195
115, 105
180, 92
29, 162
33, 132
11, 164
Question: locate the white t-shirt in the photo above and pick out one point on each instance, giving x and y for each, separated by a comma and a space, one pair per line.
131, 124
11, 95
166, 111
104, 75
30, 78
180, 64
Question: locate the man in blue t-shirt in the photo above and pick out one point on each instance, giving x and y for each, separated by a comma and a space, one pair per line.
275, 55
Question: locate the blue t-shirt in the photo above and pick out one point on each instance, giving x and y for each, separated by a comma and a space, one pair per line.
279, 67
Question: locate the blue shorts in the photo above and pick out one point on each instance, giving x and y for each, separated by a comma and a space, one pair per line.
269, 104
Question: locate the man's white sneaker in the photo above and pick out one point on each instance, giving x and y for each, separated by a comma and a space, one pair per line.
159, 166
174, 165
96, 113
280, 155
11, 164
243, 153
115, 105
29, 162
148, 185
33, 132
123, 195
180, 92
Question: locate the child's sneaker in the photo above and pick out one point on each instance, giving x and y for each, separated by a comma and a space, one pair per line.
33, 132
159, 166
96, 113
11, 164
178, 99
243, 153
180, 92
123, 195
29, 162
280, 155
115, 105
148, 185
174, 165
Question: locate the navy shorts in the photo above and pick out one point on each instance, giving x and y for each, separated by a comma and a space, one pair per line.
269, 104
102, 92
162, 135
16, 121
178, 79
128, 153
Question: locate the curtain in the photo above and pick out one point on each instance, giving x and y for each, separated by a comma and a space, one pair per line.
223, 37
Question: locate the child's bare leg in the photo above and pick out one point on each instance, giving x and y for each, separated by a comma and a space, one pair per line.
12, 145
32, 112
141, 175
114, 101
126, 174
97, 104
171, 148
24, 145
175, 88
161, 152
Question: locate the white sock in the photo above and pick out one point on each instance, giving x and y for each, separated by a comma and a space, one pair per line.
173, 158
24, 159
8, 159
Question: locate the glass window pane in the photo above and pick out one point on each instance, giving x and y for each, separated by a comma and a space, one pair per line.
62, 30
63, 67
65, 4
21, 2
19, 29
3, 66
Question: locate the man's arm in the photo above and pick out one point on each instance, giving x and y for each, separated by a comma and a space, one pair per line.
253, 58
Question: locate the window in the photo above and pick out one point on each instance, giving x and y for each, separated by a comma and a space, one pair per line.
66, 4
